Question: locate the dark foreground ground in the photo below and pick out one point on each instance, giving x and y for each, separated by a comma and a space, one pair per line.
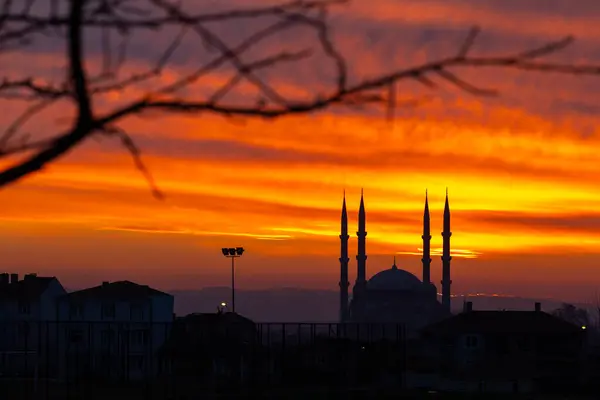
161, 392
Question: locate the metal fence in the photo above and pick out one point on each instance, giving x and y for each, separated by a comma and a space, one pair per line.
198, 358
182, 359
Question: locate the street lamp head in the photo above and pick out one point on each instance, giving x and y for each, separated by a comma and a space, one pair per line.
223, 304
225, 251
231, 251
239, 250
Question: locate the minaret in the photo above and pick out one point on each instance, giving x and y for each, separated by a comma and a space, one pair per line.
361, 258
344, 264
426, 260
446, 282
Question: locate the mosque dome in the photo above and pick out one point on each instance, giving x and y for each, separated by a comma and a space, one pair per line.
394, 279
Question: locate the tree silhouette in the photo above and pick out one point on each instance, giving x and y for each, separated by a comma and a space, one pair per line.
595, 305
570, 313
111, 24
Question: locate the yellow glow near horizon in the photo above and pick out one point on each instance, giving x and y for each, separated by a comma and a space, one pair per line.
522, 171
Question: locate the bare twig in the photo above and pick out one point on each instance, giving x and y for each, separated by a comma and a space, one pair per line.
391, 101
546, 49
464, 85
136, 154
27, 146
22, 119
469, 41
250, 42
264, 63
34, 89
118, 20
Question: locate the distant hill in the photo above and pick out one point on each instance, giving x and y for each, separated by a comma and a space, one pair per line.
310, 305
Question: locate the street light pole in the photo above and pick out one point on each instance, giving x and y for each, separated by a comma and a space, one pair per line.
233, 284
233, 253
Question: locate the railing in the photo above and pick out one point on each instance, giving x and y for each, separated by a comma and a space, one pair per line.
41, 360
191, 359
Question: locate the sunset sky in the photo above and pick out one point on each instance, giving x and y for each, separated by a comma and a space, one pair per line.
521, 169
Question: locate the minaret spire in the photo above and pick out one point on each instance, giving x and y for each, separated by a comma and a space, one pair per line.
446, 281
361, 258
344, 263
426, 260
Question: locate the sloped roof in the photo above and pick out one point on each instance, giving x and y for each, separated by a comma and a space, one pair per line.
121, 290
30, 288
536, 322
216, 318
210, 333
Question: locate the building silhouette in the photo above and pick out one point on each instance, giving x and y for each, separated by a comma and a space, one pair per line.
111, 330
393, 295
503, 351
121, 324
27, 315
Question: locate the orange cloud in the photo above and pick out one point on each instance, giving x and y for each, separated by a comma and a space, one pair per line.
527, 19
521, 170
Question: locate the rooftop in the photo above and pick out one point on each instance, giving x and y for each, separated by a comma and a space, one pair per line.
29, 288
215, 318
502, 322
121, 290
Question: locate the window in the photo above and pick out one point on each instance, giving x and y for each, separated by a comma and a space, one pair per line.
76, 311
136, 312
75, 335
502, 345
136, 362
139, 337
23, 331
24, 307
105, 361
107, 337
471, 341
108, 311
524, 343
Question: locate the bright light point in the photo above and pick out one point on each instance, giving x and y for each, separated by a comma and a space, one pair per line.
583, 327
223, 304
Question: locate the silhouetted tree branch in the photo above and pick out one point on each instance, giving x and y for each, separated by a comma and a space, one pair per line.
114, 22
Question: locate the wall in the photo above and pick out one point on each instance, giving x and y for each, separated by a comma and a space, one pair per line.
28, 340
120, 346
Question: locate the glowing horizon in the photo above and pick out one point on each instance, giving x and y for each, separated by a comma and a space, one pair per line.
521, 169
